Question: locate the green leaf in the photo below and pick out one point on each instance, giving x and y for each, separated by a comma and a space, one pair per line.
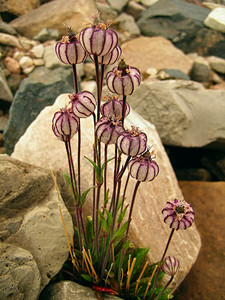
68, 181
106, 200
89, 231
84, 195
96, 168
86, 277
109, 218
103, 222
103, 166
122, 215
119, 233
140, 254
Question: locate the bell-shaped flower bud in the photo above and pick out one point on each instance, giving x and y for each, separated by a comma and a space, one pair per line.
114, 106
65, 124
98, 39
110, 58
143, 168
69, 49
123, 80
132, 142
178, 214
170, 266
108, 129
83, 104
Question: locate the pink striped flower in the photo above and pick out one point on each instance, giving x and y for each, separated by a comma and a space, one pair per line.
108, 129
123, 80
65, 124
69, 50
178, 214
170, 266
110, 58
98, 39
143, 168
132, 142
114, 106
83, 104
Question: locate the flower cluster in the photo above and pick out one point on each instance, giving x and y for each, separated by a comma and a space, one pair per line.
101, 44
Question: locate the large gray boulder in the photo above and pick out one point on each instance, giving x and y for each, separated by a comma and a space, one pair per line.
147, 227
184, 112
30, 219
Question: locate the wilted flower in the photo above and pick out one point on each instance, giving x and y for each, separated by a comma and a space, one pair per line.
123, 79
110, 58
69, 49
98, 39
132, 142
108, 129
114, 106
65, 124
178, 214
143, 168
83, 104
170, 266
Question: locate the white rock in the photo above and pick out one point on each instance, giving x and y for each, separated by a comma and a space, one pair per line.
9, 40
28, 70
147, 227
148, 2
50, 58
38, 62
217, 64
118, 5
216, 19
38, 51
18, 55
26, 62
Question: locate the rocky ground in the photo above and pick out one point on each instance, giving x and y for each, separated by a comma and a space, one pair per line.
179, 48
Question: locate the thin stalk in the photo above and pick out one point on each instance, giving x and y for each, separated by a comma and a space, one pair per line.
94, 177
132, 205
105, 172
96, 221
165, 287
115, 207
114, 182
78, 159
83, 228
123, 108
106, 259
75, 81
119, 176
160, 263
98, 86
124, 191
102, 78
71, 169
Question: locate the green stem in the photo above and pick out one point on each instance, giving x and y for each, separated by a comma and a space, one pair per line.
166, 286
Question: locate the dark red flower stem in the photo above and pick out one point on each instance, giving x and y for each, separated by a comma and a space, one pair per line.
123, 108
160, 263
132, 205
98, 86
75, 81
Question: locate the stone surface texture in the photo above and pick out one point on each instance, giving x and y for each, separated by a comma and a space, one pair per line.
147, 227
55, 14
65, 290
19, 276
5, 92
217, 64
9, 40
30, 217
127, 23
205, 281
182, 112
216, 19
158, 53
35, 92
118, 5
18, 7
200, 71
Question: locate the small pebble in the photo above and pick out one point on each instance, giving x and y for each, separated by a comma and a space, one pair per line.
12, 65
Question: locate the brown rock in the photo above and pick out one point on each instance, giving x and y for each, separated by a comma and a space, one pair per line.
206, 279
219, 86
9, 40
12, 65
54, 15
155, 52
147, 227
19, 7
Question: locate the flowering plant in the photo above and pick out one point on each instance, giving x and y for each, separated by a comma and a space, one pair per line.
102, 255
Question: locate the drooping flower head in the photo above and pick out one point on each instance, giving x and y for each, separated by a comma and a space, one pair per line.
132, 142
65, 124
114, 106
123, 79
143, 168
178, 214
108, 129
110, 58
83, 104
98, 39
170, 266
69, 49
